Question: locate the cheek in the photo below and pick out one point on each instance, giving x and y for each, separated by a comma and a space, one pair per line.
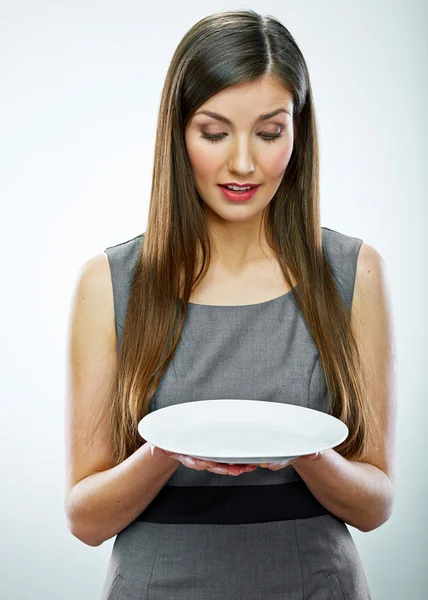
202, 165
201, 159
277, 163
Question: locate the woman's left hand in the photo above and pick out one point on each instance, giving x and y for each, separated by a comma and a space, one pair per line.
280, 465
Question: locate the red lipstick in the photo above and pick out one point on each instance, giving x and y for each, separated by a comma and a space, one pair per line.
239, 196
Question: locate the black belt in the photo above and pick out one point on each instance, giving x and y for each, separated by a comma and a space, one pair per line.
233, 504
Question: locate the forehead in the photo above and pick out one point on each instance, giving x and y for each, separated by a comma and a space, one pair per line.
248, 100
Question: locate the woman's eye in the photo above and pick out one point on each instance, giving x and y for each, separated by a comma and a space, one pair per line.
266, 137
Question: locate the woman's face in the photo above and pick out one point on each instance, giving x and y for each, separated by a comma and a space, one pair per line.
242, 153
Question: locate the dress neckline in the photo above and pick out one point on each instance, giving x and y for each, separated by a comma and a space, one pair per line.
222, 306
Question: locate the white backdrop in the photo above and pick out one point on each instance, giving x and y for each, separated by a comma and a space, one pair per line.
80, 89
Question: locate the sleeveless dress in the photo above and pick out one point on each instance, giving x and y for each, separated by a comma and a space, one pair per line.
261, 535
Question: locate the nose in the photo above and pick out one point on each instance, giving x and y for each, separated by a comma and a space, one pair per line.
240, 159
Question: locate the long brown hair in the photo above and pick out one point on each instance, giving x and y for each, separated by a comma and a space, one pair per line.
219, 51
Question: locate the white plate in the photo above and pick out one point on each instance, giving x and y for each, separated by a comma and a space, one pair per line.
241, 431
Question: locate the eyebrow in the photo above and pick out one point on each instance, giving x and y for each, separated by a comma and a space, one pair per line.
229, 122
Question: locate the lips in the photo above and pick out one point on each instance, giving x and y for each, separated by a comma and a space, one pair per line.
242, 185
238, 196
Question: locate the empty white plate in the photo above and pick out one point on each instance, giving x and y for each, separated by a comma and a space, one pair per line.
241, 431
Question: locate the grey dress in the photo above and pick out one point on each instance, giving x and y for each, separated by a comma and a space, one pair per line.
261, 535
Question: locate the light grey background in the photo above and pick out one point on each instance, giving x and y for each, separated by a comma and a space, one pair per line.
80, 89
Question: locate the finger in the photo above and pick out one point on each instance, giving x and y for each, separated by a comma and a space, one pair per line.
189, 461
225, 470
234, 470
197, 463
280, 465
156, 451
218, 470
314, 456
205, 464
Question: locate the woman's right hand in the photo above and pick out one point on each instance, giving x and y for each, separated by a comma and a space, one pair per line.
204, 465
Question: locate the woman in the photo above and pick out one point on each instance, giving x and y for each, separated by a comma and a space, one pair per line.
226, 296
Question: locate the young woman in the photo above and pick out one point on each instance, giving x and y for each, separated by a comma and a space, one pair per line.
229, 296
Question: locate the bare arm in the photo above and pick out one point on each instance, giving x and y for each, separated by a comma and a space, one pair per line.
361, 493
104, 503
101, 498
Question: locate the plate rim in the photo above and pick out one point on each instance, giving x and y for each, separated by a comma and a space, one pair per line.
290, 407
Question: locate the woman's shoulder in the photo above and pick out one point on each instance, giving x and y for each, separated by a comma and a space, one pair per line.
127, 246
341, 249
338, 243
123, 255
342, 253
